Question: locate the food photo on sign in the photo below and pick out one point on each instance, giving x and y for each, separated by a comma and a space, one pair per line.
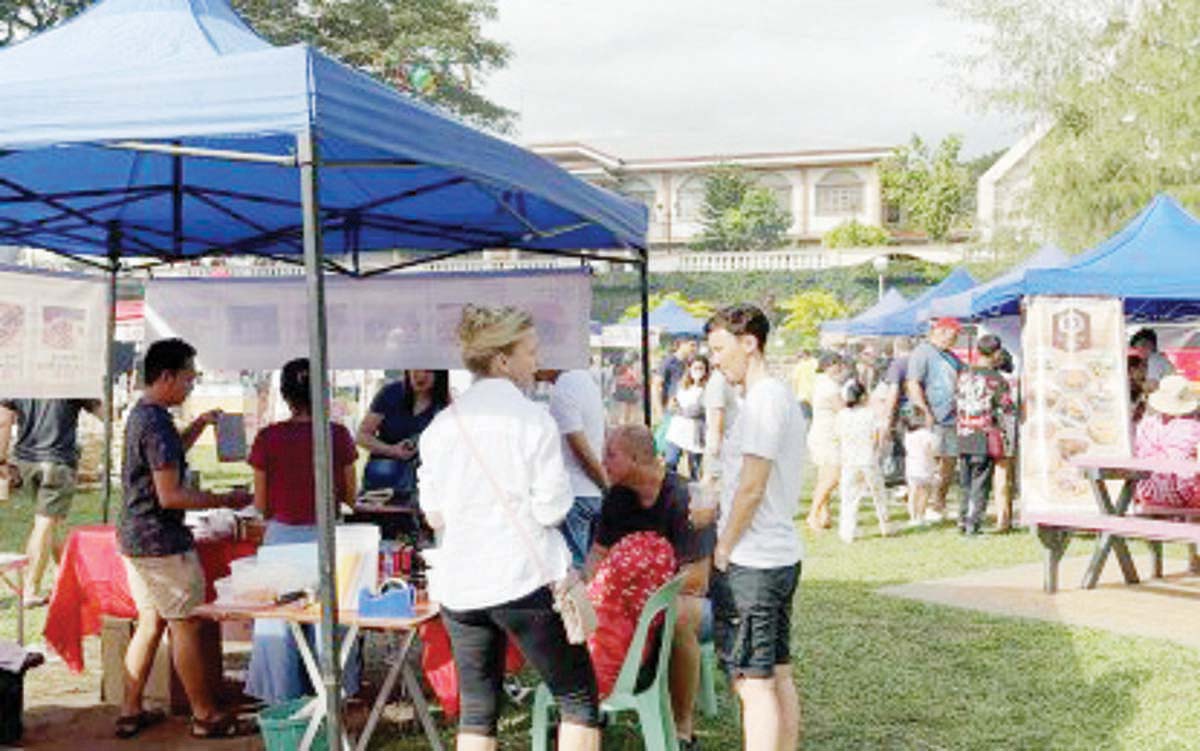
1076, 395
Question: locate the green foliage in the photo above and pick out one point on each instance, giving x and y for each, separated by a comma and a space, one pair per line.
805, 311
697, 308
738, 214
855, 287
851, 234
433, 49
928, 185
1120, 81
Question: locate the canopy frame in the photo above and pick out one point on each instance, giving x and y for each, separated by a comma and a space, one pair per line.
308, 235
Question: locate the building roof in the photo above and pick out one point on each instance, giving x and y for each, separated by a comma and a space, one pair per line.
587, 157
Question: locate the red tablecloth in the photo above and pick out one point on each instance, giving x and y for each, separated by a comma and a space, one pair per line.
91, 584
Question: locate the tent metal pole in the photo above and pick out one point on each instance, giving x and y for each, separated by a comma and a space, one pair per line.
644, 275
227, 155
177, 204
306, 150
114, 261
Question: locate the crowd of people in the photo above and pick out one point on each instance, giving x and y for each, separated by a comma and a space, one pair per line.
527, 500
917, 419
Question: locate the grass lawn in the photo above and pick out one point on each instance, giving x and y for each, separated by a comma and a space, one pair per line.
882, 673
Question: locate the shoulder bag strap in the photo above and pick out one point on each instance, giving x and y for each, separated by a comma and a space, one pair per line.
500, 493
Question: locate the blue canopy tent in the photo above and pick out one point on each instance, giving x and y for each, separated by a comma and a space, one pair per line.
1153, 263
908, 321
145, 132
891, 301
673, 320
959, 306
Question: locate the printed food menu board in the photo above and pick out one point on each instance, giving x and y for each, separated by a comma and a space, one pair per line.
1075, 398
52, 332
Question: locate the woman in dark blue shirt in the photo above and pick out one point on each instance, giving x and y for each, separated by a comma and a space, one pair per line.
397, 416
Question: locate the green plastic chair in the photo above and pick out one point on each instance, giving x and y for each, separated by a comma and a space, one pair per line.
706, 697
653, 702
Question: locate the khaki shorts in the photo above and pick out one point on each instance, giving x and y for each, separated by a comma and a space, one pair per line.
51, 484
170, 585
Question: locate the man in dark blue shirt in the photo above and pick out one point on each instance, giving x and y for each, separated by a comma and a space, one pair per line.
165, 578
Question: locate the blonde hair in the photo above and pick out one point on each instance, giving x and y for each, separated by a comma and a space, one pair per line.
487, 332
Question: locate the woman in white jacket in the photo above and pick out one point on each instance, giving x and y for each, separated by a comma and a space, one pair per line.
498, 556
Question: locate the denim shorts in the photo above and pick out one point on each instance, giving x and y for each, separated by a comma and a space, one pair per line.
753, 608
478, 639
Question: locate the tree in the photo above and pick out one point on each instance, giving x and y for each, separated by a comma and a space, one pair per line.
928, 185
738, 214
805, 311
433, 49
852, 234
1121, 84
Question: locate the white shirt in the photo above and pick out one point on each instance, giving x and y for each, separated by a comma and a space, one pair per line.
719, 393
856, 428
578, 407
483, 558
769, 426
919, 459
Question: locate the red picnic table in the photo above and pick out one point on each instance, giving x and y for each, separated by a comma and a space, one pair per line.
1115, 522
92, 583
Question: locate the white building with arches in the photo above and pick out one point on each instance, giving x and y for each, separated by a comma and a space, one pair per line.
819, 189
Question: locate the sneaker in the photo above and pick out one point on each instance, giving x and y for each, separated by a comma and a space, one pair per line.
688, 744
933, 516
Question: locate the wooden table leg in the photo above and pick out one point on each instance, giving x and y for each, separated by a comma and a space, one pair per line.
317, 705
422, 708
1055, 542
1106, 543
1156, 559
1120, 548
385, 692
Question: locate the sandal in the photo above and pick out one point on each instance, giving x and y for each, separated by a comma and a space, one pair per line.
224, 726
35, 601
130, 725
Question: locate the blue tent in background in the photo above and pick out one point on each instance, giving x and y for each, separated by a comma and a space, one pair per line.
673, 320
1153, 263
959, 306
889, 303
907, 321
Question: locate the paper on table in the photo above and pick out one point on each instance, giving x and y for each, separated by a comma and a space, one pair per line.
231, 437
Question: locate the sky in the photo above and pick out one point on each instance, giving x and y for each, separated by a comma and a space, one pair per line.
644, 78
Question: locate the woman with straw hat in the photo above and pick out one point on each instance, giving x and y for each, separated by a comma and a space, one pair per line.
1170, 430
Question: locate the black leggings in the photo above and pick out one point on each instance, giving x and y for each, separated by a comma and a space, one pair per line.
478, 639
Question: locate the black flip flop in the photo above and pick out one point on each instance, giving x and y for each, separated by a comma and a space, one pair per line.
225, 726
130, 725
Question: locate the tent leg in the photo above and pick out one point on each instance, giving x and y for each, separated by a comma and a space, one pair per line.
644, 274
114, 254
319, 388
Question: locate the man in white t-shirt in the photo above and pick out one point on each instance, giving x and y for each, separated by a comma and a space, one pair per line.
758, 550
578, 407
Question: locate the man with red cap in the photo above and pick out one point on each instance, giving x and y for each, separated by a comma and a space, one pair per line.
931, 383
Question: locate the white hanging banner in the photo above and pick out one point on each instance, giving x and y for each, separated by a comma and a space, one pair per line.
52, 331
392, 321
1076, 396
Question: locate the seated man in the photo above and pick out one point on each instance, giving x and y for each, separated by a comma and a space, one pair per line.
644, 497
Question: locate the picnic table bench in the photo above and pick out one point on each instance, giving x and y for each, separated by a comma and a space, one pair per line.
1116, 522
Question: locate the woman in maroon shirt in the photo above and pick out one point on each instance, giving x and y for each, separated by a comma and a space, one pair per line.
285, 494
